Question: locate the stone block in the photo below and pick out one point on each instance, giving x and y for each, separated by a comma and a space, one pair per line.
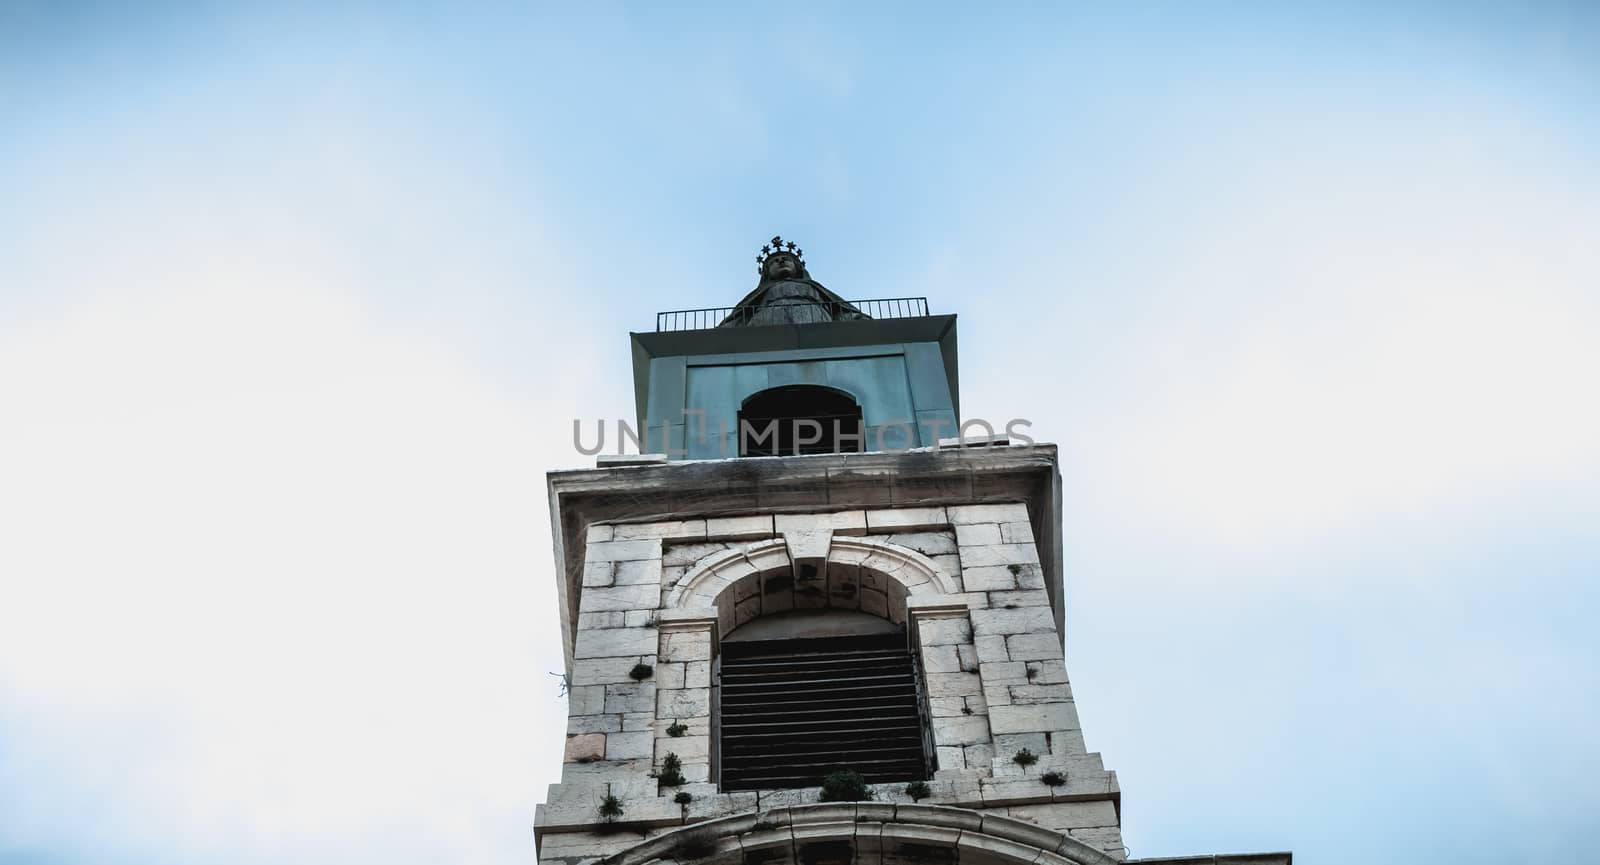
634, 573
961, 730
598, 533
906, 518
630, 698
669, 675
1042, 717
979, 756
1020, 532
1062, 816
770, 799
1023, 620
685, 703
686, 646
991, 647
947, 707
927, 543
987, 578
968, 655
1024, 695
1049, 672
953, 684
676, 529
615, 642
1001, 513
977, 534
808, 552
597, 574
740, 528
645, 596
633, 722
941, 659
585, 747
949, 564
697, 674
623, 551
586, 699
1020, 598
630, 746
944, 631
639, 619
604, 671
1006, 745
684, 555
1033, 647
577, 776
595, 621
690, 749
838, 522
998, 554
711, 805
1012, 789
950, 757
1004, 673
594, 724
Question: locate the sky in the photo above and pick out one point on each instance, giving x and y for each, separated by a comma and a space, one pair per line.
298, 302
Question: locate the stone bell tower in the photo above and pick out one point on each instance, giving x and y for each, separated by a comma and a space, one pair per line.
817, 627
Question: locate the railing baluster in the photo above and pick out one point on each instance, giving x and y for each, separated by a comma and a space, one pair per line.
714, 317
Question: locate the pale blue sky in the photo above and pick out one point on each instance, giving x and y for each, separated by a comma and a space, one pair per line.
297, 303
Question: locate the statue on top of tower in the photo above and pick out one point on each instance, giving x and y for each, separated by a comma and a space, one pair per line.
787, 294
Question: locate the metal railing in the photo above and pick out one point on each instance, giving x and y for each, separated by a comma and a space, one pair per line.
808, 312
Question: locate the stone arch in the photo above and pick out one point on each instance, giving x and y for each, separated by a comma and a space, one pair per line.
864, 831
914, 573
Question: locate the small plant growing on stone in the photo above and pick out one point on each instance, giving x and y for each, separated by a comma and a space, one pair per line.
671, 774
684, 797
845, 786
610, 809
694, 844
763, 826
1053, 779
1025, 758
1032, 672
1011, 606
1014, 569
677, 730
918, 790
966, 710
640, 672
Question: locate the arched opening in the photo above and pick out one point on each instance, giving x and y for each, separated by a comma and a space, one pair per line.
813, 677
799, 419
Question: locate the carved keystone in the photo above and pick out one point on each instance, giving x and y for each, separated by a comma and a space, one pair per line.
808, 552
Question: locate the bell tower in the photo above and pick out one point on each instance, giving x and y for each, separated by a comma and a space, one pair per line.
815, 625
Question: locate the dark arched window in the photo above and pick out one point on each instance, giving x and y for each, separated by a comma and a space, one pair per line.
799, 419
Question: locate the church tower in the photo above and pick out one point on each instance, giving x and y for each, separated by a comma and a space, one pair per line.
815, 625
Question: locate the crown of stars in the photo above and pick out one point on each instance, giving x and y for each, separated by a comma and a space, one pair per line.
775, 246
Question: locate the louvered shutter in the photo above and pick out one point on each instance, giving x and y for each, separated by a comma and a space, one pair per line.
792, 711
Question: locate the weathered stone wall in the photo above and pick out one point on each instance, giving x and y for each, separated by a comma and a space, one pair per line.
966, 580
